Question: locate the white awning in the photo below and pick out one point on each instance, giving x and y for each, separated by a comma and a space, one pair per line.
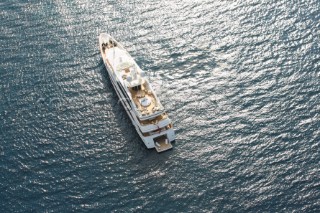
136, 82
124, 65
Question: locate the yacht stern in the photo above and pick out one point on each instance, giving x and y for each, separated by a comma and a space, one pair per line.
162, 143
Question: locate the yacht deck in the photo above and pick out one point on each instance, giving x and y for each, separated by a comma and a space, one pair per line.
155, 120
162, 144
141, 95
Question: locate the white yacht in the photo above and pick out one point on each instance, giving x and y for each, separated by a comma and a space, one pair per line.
137, 95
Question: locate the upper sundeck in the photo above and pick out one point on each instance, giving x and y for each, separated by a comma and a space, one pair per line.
133, 80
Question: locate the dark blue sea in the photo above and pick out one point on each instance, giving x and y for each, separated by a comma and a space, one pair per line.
239, 79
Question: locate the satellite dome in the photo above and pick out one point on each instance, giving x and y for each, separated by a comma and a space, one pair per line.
129, 78
142, 74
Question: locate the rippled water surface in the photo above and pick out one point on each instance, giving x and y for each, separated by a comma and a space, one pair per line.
240, 80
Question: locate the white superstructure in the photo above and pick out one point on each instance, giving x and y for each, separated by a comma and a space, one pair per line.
136, 95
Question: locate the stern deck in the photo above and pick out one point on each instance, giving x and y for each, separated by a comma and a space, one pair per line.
162, 144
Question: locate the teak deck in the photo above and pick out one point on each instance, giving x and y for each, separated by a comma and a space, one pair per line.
161, 145
154, 120
137, 95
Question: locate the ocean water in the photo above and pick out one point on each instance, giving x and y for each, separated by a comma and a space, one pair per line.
239, 79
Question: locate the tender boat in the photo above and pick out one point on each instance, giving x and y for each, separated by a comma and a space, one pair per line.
137, 95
